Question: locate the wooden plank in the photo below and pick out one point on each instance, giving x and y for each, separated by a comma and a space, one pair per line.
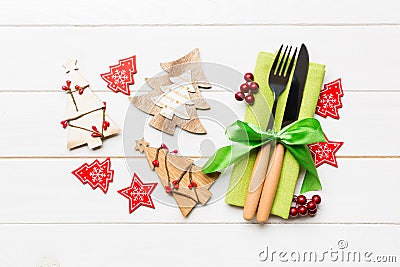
238, 245
32, 126
45, 191
207, 12
356, 61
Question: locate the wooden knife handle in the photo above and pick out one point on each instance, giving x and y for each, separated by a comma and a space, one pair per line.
270, 184
256, 182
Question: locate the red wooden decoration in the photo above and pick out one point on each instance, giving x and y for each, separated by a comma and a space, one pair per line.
329, 100
121, 75
138, 194
324, 152
96, 174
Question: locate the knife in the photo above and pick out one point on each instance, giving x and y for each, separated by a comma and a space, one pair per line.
291, 114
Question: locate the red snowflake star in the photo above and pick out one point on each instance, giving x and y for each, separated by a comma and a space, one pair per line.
138, 194
324, 152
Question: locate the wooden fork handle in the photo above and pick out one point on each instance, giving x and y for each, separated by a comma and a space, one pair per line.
256, 182
270, 184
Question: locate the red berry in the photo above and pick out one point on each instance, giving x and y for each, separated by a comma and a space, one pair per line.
105, 105
174, 151
164, 146
68, 82
316, 199
105, 125
249, 77
64, 124
155, 163
253, 87
239, 96
249, 99
311, 205
244, 88
301, 200
312, 212
96, 134
81, 91
175, 181
77, 87
168, 189
94, 128
293, 212
192, 184
65, 88
302, 210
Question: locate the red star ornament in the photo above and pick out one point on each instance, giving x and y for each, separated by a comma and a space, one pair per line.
324, 152
96, 174
138, 194
329, 100
121, 75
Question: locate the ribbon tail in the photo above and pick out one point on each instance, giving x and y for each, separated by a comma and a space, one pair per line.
310, 183
303, 156
226, 156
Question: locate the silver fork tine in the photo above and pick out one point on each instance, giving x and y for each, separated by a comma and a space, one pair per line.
286, 61
273, 68
291, 62
278, 72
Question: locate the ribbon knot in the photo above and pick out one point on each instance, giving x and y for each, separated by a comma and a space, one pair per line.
295, 137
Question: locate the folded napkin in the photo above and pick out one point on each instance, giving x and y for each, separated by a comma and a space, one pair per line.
258, 114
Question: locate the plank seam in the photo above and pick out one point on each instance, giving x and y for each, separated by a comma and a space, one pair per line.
202, 223
114, 25
55, 157
203, 91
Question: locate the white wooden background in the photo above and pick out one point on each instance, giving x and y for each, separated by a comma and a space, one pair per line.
46, 212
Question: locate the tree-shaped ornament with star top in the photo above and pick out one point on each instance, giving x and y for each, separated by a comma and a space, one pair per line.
86, 119
180, 177
176, 96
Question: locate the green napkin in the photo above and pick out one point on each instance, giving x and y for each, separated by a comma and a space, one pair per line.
259, 114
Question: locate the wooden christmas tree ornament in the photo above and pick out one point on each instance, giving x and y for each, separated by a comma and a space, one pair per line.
86, 114
179, 176
176, 96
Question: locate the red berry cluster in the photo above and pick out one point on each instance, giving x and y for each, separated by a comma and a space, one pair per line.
67, 87
191, 185
304, 206
155, 162
249, 87
96, 132
174, 185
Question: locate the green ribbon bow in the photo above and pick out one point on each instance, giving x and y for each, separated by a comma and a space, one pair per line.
294, 137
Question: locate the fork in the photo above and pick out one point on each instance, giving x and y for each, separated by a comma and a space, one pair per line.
278, 80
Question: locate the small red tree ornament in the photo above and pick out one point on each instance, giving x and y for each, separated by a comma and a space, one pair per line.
120, 76
96, 174
329, 100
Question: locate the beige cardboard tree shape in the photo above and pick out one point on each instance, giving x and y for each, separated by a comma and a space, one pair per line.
87, 120
176, 96
180, 177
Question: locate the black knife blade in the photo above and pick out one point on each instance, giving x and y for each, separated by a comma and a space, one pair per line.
296, 90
